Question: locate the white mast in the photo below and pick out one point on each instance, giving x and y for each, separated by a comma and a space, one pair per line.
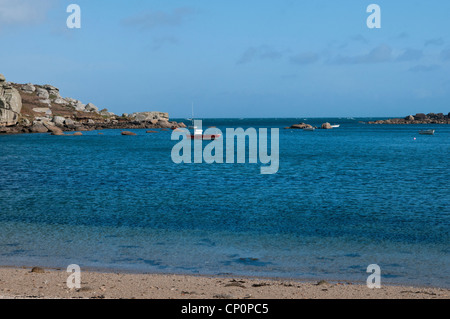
192, 114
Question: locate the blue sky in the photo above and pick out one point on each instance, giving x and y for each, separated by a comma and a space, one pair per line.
233, 58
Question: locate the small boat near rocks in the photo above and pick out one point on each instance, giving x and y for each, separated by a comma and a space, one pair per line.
427, 132
198, 132
198, 135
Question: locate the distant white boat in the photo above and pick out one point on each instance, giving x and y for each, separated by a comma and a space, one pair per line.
427, 132
309, 129
198, 133
335, 126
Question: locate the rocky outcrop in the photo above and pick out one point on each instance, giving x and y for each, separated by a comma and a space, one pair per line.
105, 112
419, 118
300, 126
149, 116
10, 103
42, 93
326, 126
38, 128
91, 108
33, 108
128, 133
52, 91
59, 120
60, 100
28, 88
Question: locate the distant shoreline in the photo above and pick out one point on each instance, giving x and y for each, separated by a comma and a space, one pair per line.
419, 118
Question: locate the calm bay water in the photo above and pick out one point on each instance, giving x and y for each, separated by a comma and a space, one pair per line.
342, 199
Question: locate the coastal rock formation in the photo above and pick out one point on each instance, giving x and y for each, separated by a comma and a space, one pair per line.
128, 133
59, 120
10, 103
91, 108
326, 126
52, 91
61, 101
299, 126
28, 88
105, 112
419, 118
40, 92
165, 124
33, 108
53, 129
79, 106
149, 116
38, 128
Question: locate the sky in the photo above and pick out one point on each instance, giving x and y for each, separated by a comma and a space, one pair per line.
246, 58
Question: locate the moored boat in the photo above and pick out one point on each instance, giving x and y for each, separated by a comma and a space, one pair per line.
198, 135
198, 132
427, 132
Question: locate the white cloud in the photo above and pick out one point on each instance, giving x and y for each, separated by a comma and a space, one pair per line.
159, 42
410, 55
305, 58
382, 53
435, 41
154, 19
18, 12
424, 68
263, 52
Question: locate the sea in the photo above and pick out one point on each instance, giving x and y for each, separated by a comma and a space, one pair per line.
342, 199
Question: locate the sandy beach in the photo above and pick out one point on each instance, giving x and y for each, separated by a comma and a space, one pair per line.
21, 283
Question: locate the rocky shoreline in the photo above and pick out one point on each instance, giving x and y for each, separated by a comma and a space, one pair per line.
419, 118
32, 108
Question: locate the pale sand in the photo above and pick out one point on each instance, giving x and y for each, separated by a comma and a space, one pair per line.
21, 283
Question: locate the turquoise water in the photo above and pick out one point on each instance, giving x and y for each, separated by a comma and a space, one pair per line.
342, 199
